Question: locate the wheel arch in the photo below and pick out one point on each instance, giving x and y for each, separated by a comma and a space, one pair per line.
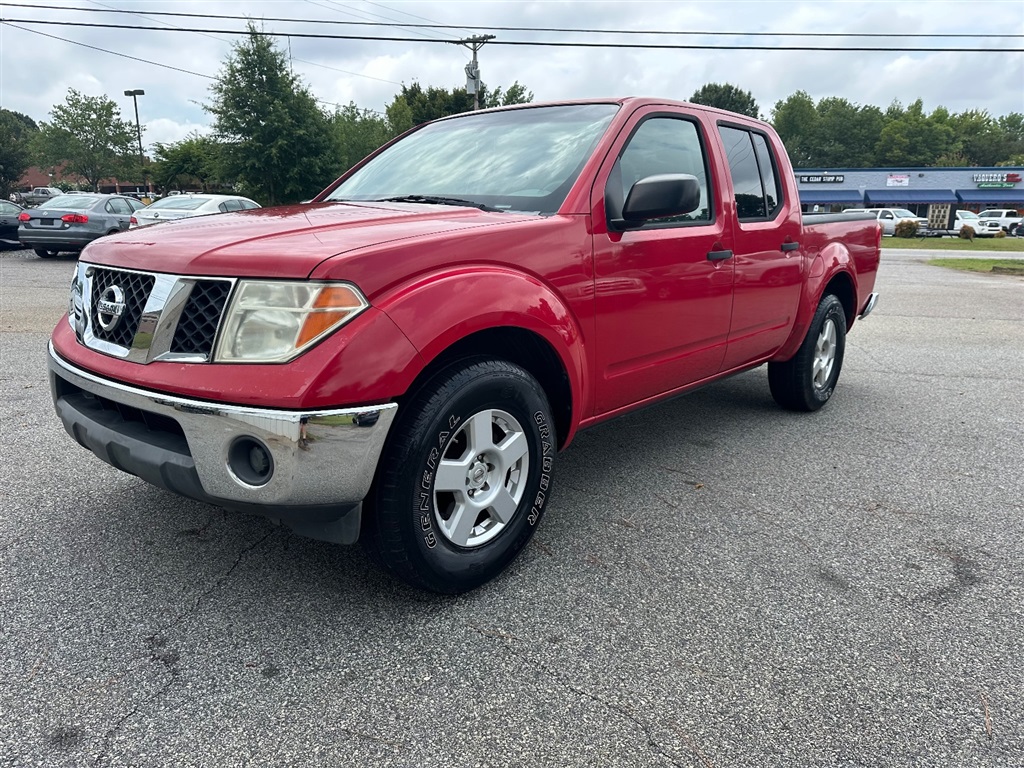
524, 348
502, 314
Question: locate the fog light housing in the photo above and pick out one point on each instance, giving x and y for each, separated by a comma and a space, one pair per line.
250, 461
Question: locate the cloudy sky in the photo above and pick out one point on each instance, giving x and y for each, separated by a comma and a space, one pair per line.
987, 73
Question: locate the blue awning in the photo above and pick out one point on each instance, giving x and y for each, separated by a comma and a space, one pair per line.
921, 196
811, 196
1010, 197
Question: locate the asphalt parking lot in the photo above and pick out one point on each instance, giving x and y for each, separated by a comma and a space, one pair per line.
717, 583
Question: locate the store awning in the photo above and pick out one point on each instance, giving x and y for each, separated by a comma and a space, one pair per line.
1008, 197
812, 196
909, 196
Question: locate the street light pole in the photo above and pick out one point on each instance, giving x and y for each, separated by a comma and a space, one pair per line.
138, 130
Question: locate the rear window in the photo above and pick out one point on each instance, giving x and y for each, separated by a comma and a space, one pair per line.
70, 202
180, 203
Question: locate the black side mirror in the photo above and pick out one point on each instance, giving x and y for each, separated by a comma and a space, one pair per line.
659, 196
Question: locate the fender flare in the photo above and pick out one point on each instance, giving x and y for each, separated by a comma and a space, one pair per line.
438, 309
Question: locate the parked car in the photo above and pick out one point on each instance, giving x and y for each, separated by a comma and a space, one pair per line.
888, 218
9, 224
184, 206
1008, 219
70, 222
967, 219
39, 195
442, 320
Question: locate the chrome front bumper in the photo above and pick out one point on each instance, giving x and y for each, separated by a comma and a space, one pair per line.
321, 462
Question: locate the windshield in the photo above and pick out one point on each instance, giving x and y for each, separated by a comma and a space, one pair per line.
522, 160
994, 214
70, 202
179, 203
903, 213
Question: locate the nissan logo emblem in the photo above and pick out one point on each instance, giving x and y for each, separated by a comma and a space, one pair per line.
110, 307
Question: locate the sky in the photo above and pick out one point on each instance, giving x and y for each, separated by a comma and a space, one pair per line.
36, 70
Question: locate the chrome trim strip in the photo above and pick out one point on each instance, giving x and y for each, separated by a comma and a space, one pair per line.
326, 456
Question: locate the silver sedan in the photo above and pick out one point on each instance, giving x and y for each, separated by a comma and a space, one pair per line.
187, 206
71, 222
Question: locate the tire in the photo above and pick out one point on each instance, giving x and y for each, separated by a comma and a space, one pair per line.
43, 253
807, 381
464, 478
1013, 230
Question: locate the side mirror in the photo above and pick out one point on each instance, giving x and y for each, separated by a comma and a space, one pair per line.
659, 196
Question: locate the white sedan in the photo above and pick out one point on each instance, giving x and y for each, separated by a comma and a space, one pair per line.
186, 206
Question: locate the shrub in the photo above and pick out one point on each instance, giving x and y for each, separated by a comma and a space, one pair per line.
966, 232
1001, 233
906, 229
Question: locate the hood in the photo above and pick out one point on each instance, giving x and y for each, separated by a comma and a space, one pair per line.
286, 242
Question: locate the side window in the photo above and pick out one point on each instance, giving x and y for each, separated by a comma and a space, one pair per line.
117, 205
660, 145
769, 176
232, 205
746, 177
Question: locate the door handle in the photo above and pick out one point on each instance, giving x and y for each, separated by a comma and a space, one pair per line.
719, 255
786, 247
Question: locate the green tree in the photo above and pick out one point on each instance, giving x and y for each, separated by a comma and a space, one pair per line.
725, 96
516, 94
796, 121
16, 132
357, 132
193, 161
87, 139
276, 142
912, 139
415, 104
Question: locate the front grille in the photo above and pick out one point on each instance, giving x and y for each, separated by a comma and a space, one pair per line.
136, 288
197, 328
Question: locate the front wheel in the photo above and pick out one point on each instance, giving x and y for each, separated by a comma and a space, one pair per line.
806, 382
464, 478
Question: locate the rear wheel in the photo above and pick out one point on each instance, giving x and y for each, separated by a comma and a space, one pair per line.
806, 382
464, 478
44, 253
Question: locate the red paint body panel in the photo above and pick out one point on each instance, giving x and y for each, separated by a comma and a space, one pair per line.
633, 316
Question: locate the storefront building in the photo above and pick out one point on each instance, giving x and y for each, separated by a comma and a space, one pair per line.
931, 192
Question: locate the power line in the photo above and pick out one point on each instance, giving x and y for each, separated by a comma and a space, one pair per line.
574, 30
104, 50
168, 66
531, 43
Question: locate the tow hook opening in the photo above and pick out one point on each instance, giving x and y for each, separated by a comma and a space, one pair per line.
250, 461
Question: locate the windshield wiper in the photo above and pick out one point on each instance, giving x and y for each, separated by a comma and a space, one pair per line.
437, 201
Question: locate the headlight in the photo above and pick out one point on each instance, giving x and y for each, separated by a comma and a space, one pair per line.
273, 322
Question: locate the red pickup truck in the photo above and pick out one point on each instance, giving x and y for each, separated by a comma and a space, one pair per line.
401, 359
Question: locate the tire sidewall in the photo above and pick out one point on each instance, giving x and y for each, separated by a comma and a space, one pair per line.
830, 308
456, 569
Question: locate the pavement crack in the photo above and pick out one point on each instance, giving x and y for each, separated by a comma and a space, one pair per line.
160, 653
211, 589
551, 674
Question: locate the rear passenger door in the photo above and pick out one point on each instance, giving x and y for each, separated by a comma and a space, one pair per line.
664, 290
768, 262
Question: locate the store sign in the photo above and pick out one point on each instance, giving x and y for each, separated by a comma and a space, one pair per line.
898, 180
823, 179
1007, 179
996, 185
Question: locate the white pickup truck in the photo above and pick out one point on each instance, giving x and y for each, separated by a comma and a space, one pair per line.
888, 218
1007, 218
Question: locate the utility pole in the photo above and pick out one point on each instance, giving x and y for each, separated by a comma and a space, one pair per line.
474, 44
